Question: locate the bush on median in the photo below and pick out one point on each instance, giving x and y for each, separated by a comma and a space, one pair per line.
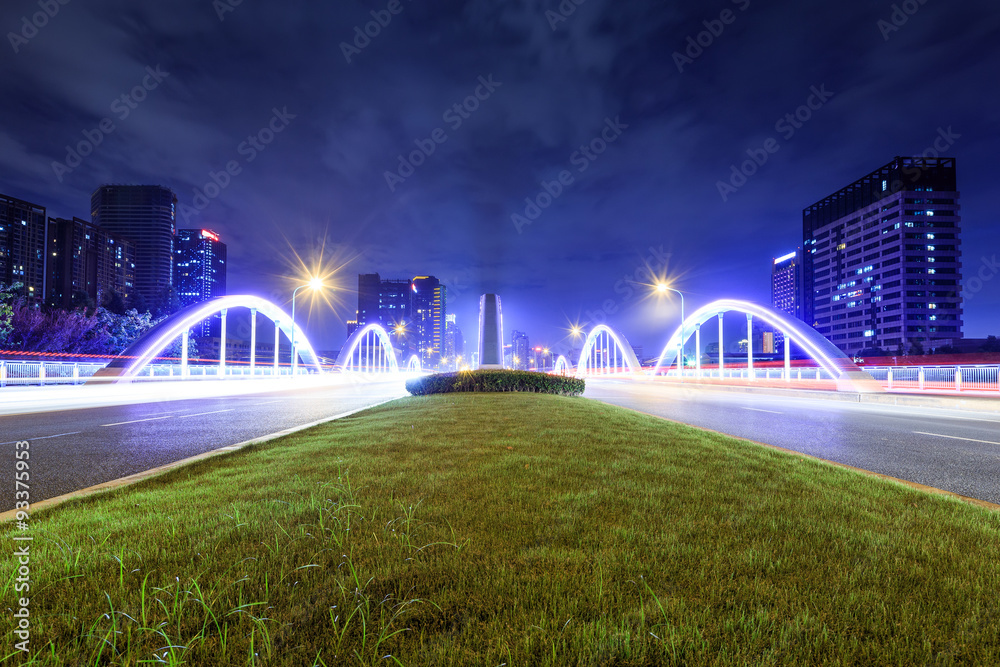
495, 381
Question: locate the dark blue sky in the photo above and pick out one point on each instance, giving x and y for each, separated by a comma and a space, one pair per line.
549, 81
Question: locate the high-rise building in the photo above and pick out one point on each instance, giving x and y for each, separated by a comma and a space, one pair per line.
85, 258
22, 246
369, 285
454, 343
395, 303
787, 285
199, 269
883, 258
787, 292
385, 302
146, 216
429, 307
521, 350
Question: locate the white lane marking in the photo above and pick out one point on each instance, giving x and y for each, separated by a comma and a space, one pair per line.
136, 421
955, 437
199, 414
44, 437
773, 412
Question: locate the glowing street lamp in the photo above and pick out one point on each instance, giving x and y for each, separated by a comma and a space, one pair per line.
315, 283
663, 288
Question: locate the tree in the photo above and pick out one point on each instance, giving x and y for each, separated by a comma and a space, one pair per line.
114, 303
80, 300
166, 303
8, 294
138, 302
916, 348
991, 345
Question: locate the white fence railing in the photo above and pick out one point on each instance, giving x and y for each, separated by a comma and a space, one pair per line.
929, 378
18, 373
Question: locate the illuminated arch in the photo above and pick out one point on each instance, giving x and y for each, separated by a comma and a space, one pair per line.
366, 335
151, 344
830, 358
623, 351
413, 365
562, 365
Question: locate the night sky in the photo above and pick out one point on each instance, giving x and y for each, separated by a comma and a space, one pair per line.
551, 77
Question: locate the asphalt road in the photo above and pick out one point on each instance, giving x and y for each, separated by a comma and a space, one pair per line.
75, 449
952, 450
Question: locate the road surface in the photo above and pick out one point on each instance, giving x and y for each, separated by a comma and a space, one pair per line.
951, 450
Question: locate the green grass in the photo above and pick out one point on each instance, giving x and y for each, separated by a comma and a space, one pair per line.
512, 529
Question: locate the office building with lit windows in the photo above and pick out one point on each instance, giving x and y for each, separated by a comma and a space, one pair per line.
83, 258
521, 349
146, 216
883, 259
199, 269
22, 246
787, 285
429, 309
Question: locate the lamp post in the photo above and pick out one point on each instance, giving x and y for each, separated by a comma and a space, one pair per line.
314, 284
663, 288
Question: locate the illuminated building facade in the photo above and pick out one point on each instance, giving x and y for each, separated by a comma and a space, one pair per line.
199, 269
429, 308
22, 246
883, 258
84, 258
146, 216
521, 349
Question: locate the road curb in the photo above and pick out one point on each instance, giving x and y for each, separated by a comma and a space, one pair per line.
121, 482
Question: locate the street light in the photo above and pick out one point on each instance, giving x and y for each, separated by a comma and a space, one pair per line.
314, 284
663, 288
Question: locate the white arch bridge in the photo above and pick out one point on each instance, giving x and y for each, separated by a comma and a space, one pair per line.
368, 350
606, 351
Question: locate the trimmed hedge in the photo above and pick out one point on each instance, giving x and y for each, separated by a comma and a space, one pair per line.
495, 381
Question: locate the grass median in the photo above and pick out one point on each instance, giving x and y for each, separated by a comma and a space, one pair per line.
521, 529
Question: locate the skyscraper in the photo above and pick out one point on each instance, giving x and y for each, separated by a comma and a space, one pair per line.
521, 350
84, 258
199, 268
454, 343
146, 216
428, 314
883, 258
22, 246
787, 286
369, 285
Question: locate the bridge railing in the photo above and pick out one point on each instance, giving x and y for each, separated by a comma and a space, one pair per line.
921, 378
44, 373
